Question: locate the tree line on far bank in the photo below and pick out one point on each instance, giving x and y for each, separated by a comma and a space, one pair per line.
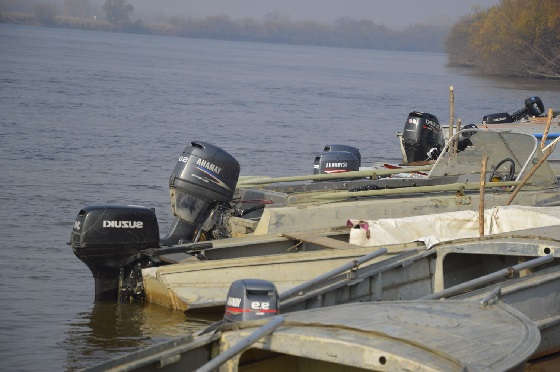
117, 15
513, 38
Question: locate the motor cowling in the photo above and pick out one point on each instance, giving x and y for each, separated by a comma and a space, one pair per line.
422, 134
337, 159
203, 176
250, 299
465, 135
336, 162
533, 106
350, 149
106, 237
497, 118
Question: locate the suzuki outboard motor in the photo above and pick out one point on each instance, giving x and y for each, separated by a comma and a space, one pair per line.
250, 299
533, 107
422, 135
204, 177
107, 238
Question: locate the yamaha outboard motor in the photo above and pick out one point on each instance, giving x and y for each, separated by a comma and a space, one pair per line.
204, 179
533, 107
107, 238
350, 149
337, 159
250, 299
422, 135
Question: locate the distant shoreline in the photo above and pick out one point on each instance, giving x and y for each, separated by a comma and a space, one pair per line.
350, 34
29, 19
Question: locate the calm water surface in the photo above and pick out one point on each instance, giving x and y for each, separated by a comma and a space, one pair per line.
93, 117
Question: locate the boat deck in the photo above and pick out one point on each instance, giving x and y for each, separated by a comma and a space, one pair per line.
417, 335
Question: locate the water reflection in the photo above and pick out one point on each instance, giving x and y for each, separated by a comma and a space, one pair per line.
508, 83
110, 330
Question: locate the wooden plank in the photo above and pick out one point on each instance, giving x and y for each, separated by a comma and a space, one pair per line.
323, 241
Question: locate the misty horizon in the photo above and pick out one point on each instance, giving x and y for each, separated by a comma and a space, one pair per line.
397, 14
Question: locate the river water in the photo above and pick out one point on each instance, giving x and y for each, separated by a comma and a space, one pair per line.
92, 117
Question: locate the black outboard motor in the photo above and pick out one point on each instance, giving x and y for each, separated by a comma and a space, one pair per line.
533, 107
204, 177
465, 135
337, 159
422, 135
350, 149
497, 118
107, 238
250, 299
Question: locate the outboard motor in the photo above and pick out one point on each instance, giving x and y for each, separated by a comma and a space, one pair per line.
422, 135
250, 299
337, 159
533, 107
204, 179
350, 149
497, 118
465, 135
107, 238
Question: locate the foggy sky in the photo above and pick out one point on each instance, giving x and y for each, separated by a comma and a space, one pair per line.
393, 13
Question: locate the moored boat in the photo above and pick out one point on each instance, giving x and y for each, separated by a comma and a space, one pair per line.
415, 335
203, 284
530, 119
117, 256
333, 320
